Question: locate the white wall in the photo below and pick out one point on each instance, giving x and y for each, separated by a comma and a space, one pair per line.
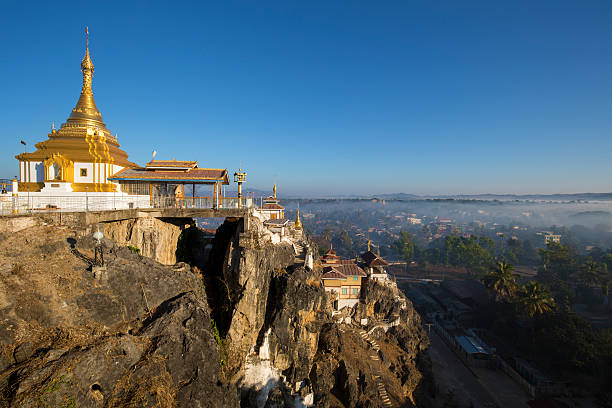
116, 169
37, 172
77, 172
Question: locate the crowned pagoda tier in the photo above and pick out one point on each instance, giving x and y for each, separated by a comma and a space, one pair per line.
81, 155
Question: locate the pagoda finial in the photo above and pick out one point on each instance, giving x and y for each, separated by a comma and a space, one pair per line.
369, 243
298, 222
85, 111
274, 190
87, 66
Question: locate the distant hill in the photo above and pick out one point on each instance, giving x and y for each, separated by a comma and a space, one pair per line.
504, 197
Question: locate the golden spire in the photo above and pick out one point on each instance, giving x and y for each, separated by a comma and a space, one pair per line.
298, 222
274, 190
86, 111
369, 243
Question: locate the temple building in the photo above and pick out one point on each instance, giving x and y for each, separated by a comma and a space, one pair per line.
80, 156
342, 278
81, 166
169, 183
374, 265
271, 209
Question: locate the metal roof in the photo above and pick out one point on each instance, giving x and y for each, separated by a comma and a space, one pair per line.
471, 345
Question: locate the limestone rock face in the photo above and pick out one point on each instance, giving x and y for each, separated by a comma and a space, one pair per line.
247, 272
249, 323
354, 363
138, 335
296, 311
171, 360
155, 238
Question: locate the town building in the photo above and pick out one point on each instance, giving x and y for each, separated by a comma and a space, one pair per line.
550, 237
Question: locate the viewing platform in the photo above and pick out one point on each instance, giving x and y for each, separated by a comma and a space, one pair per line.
91, 209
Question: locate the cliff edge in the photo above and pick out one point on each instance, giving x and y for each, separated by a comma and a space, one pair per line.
246, 323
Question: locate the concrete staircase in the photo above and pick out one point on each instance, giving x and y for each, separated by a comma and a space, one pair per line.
300, 254
382, 391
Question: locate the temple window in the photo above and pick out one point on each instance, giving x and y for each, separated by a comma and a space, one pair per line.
83, 172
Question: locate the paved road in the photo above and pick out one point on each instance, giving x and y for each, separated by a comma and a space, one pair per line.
480, 386
452, 374
504, 389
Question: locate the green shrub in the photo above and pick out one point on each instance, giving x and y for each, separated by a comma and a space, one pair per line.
220, 343
133, 249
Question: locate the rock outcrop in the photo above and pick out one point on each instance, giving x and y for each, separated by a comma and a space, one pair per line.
137, 335
383, 361
245, 324
155, 238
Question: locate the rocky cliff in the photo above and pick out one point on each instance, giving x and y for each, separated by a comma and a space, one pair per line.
137, 335
245, 324
155, 238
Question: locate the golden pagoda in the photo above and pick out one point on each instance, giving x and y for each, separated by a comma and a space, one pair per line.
81, 155
298, 222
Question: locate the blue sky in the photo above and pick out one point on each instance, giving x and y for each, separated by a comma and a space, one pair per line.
330, 97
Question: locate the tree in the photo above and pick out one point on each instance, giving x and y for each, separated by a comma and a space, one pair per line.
605, 278
346, 241
327, 234
534, 299
529, 254
590, 273
558, 264
501, 282
404, 247
473, 253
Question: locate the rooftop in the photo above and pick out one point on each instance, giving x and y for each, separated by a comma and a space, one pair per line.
195, 175
171, 165
371, 259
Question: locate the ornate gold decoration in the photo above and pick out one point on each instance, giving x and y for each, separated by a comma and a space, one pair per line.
84, 137
94, 187
31, 187
66, 165
274, 190
298, 222
86, 110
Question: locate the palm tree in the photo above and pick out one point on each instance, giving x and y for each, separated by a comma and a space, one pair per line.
605, 278
590, 273
534, 299
327, 234
501, 282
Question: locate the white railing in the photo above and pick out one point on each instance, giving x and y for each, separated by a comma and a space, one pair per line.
35, 203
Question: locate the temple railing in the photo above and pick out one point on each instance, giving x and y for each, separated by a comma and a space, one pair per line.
80, 202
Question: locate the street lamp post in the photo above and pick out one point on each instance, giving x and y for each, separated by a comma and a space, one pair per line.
98, 254
240, 177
